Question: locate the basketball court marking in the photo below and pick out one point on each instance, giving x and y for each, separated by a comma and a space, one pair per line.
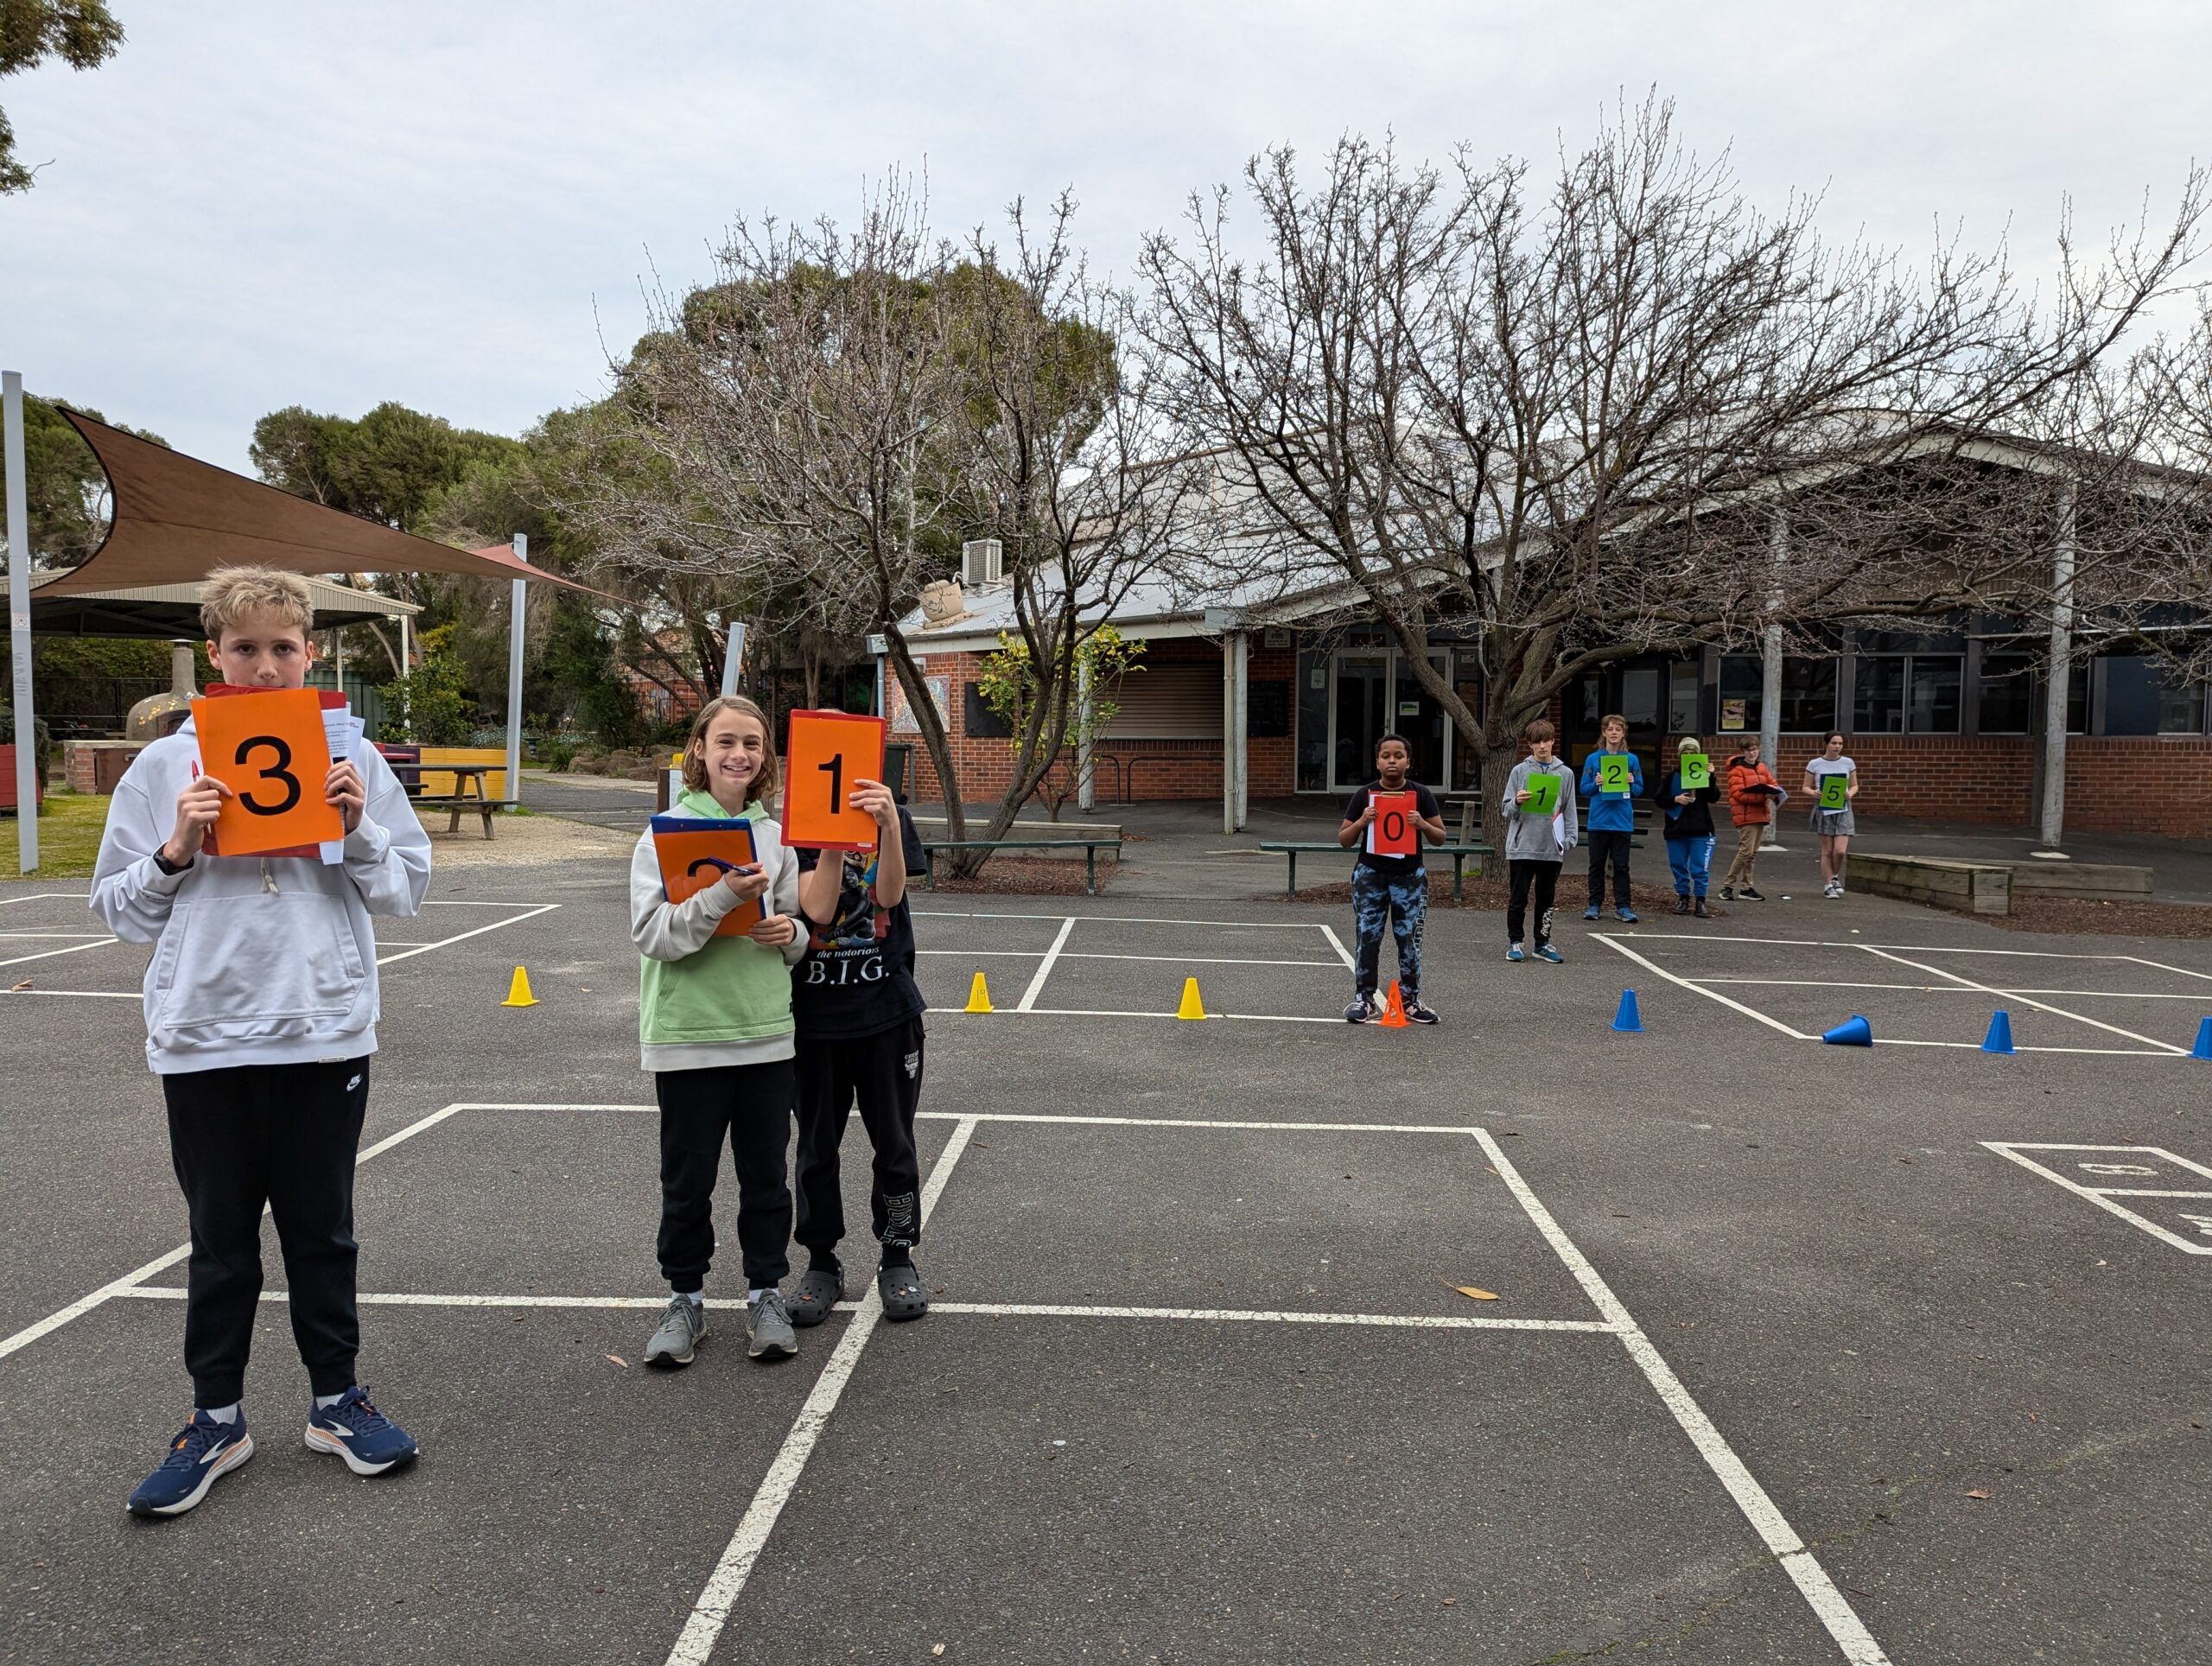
400, 952
1050, 958
1952, 982
2102, 1196
726, 1582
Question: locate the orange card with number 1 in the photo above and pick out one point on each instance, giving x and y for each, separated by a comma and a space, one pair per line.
827, 753
269, 749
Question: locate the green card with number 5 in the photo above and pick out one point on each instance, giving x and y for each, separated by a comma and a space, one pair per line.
1835, 791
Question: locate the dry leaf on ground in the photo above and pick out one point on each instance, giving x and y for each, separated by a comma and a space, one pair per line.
1469, 1290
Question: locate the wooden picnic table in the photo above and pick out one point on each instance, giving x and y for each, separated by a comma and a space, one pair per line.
469, 796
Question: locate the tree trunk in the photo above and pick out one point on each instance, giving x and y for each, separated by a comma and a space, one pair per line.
934, 740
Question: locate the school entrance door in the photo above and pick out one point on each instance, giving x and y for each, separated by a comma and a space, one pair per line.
1376, 694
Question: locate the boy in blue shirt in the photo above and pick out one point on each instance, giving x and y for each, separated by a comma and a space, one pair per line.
1612, 819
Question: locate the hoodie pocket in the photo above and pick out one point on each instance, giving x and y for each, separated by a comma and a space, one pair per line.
262, 964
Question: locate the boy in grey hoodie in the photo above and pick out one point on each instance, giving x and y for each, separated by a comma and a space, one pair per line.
261, 1013
1540, 827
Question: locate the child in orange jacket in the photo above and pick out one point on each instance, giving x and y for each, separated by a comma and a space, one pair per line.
1752, 791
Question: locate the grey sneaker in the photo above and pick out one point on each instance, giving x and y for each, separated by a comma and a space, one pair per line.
768, 1328
682, 1324
818, 1292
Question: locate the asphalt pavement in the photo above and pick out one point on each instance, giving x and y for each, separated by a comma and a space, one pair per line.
1785, 1362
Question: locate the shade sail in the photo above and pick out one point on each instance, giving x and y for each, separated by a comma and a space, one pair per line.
176, 519
172, 611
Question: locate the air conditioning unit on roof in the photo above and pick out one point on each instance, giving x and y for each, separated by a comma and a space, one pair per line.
982, 561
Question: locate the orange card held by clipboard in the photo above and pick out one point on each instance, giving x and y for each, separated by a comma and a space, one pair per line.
828, 752
269, 748
696, 854
1393, 832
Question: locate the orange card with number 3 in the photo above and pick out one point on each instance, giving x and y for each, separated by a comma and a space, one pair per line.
271, 750
828, 752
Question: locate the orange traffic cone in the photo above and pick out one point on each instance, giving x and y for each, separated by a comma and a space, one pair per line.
1394, 1010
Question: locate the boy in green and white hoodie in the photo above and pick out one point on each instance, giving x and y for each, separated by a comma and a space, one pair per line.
714, 1028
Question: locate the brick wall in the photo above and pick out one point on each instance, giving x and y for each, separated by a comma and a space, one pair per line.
1149, 769
2115, 784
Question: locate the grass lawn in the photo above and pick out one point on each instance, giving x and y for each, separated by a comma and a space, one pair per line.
68, 837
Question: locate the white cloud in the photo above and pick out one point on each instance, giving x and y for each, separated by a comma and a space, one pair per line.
261, 204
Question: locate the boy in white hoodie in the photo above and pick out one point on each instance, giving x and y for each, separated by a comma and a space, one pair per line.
261, 1010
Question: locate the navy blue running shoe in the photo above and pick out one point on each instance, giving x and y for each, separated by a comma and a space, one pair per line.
203, 1451
370, 1442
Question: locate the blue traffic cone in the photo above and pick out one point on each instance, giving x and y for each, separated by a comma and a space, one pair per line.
1854, 1031
1999, 1039
1629, 1021
2204, 1047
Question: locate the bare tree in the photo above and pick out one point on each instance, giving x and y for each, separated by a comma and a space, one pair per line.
1625, 414
1069, 460
784, 429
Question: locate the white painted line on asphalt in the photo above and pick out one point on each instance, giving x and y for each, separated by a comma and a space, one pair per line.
1909, 948
2101, 1052
462, 937
972, 1309
1393, 1321
1820, 1591
727, 1583
1461, 1129
83, 1305
47, 896
1941, 988
58, 936
2010, 1150
88, 995
1338, 943
2040, 1005
1127, 919
1105, 1012
1619, 948
2160, 965
48, 954
1028, 1002
2142, 1192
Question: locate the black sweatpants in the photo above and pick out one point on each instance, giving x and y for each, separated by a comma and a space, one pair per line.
1608, 847
1527, 872
750, 1106
884, 1072
283, 1136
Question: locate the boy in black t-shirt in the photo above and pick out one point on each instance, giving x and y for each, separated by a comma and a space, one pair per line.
858, 1014
1390, 890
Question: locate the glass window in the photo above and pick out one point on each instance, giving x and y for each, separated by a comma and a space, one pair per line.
2180, 707
1808, 696
1743, 687
1313, 720
1935, 683
2077, 699
1877, 700
2130, 694
2004, 703
1640, 697
1682, 698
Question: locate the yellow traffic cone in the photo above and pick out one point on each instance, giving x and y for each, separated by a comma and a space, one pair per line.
979, 996
1192, 1007
518, 993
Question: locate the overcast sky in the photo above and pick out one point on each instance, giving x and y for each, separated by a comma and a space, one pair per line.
450, 202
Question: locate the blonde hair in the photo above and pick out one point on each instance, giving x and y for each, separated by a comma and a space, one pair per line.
229, 593
694, 756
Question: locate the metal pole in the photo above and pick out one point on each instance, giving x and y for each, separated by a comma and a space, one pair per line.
515, 605
1771, 671
1086, 784
2058, 681
19, 626
1243, 729
734, 656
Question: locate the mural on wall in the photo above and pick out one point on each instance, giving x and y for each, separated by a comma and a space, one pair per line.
902, 714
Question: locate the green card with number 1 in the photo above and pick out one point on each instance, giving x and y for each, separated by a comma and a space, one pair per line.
1543, 793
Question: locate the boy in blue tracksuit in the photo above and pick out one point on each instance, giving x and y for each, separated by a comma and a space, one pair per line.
1612, 819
